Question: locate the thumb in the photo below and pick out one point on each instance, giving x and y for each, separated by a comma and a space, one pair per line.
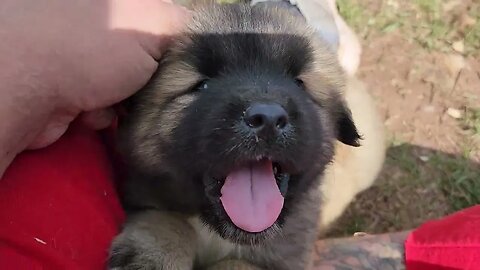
156, 21
59, 124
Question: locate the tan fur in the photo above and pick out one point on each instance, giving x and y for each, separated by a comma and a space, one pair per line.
218, 248
354, 169
154, 233
175, 79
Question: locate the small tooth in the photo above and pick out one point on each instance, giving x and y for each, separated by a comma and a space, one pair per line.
275, 170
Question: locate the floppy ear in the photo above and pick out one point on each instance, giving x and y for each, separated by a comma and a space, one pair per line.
345, 128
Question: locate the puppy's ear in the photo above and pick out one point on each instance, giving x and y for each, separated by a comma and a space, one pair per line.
345, 128
319, 15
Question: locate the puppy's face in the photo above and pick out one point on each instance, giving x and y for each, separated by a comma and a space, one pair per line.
246, 117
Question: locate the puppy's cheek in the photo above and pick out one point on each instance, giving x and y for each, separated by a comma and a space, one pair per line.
173, 114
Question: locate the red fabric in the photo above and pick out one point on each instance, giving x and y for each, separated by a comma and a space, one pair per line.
450, 243
58, 206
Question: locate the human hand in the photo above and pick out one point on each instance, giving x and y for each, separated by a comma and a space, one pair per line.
65, 59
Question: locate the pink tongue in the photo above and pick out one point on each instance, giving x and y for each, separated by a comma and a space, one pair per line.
251, 197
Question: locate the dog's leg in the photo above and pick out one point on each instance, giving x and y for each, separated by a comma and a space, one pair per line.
154, 240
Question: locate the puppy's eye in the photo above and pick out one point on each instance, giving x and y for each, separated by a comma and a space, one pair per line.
299, 82
202, 85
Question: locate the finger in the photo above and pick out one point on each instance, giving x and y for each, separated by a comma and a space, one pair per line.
98, 119
154, 21
52, 132
172, 22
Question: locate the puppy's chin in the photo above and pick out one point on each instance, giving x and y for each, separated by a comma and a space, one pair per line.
246, 205
229, 231
217, 220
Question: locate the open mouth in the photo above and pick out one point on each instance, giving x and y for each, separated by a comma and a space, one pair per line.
253, 194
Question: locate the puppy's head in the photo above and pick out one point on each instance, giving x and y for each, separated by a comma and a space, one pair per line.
245, 107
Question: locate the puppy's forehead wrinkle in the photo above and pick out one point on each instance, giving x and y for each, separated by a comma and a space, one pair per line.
216, 55
245, 19
172, 115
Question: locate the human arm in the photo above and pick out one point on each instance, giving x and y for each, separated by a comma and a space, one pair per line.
385, 251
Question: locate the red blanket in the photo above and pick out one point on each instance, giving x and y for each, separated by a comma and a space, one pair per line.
450, 243
58, 206
59, 210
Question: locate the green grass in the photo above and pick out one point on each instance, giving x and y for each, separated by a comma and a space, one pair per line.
471, 121
433, 32
362, 20
431, 29
472, 35
430, 7
355, 223
472, 38
391, 26
432, 35
456, 176
401, 155
353, 13
459, 177
459, 180
440, 34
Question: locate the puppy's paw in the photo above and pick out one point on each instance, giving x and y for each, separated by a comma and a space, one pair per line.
131, 252
154, 240
126, 255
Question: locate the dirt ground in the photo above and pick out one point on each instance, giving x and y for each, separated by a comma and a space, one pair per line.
421, 62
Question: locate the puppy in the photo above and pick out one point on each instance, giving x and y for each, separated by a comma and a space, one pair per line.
228, 144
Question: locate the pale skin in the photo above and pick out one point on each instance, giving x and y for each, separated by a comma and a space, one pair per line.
385, 251
69, 60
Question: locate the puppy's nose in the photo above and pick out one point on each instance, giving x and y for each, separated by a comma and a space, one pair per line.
262, 117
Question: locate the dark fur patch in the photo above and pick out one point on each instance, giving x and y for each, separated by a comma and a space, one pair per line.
346, 131
215, 54
128, 254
